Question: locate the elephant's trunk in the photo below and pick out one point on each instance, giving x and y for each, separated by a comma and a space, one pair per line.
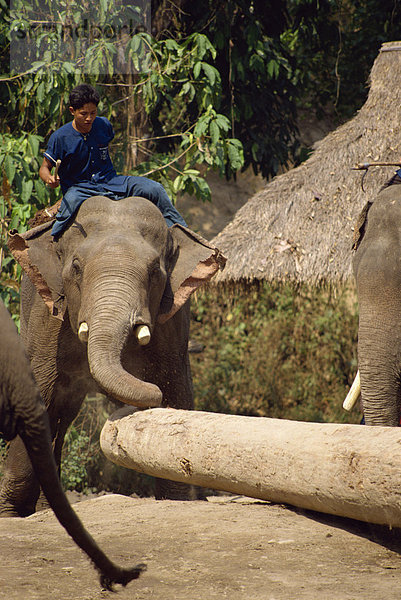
109, 328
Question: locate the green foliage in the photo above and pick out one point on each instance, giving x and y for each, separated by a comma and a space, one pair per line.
183, 93
22, 193
333, 45
84, 467
274, 57
81, 450
276, 353
76, 460
258, 92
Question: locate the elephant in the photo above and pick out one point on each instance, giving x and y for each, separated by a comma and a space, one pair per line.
23, 413
105, 308
377, 270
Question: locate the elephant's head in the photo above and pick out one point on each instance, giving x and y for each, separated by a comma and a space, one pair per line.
116, 268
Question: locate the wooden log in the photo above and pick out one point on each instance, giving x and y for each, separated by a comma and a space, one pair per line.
347, 470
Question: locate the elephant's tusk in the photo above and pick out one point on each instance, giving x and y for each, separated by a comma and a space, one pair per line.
83, 332
353, 394
142, 333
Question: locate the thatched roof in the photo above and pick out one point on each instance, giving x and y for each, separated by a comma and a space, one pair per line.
299, 228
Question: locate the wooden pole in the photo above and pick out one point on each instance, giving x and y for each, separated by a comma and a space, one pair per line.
347, 470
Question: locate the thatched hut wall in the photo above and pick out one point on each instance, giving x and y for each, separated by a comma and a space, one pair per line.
299, 228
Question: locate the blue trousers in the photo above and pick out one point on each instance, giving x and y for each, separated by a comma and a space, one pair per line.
121, 186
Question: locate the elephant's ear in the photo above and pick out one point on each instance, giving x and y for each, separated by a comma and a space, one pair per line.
195, 262
36, 253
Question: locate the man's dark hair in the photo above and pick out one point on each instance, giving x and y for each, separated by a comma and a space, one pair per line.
83, 94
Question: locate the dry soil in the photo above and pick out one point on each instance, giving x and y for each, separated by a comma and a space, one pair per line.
225, 547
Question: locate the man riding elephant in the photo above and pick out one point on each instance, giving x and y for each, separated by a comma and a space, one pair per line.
86, 169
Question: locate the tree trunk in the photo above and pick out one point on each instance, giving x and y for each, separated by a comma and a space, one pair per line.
136, 130
347, 470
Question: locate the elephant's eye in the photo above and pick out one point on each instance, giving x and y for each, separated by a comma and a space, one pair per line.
76, 268
155, 269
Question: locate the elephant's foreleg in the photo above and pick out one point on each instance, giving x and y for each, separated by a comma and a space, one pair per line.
19, 489
380, 392
173, 490
380, 369
178, 393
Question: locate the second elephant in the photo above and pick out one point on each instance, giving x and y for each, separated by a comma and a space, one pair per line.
377, 269
105, 308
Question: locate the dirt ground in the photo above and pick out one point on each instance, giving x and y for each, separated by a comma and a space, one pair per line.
225, 547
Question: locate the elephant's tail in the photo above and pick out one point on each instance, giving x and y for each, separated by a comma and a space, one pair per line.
39, 448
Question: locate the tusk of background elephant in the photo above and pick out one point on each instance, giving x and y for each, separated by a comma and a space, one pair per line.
353, 394
142, 333
83, 332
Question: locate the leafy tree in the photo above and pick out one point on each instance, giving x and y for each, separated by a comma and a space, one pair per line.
256, 70
277, 56
334, 44
171, 78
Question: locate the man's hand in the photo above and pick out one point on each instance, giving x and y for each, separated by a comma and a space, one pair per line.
46, 176
53, 181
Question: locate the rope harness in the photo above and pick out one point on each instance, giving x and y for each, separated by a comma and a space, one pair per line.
395, 179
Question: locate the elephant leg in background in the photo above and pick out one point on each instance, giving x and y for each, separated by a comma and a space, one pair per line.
380, 368
20, 494
19, 491
63, 392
